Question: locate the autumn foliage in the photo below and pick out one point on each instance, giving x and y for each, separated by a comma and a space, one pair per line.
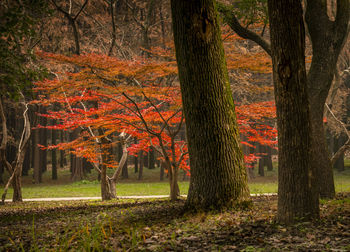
106, 96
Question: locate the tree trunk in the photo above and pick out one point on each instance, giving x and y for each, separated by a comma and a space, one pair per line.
218, 175
339, 141
151, 158
297, 191
53, 153
43, 141
16, 184
261, 169
77, 172
173, 177
136, 164
327, 40
76, 163
1, 174
105, 189
141, 156
37, 174
269, 159
136, 160
161, 175
63, 160
26, 163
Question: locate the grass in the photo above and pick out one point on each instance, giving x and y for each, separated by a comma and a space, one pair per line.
150, 185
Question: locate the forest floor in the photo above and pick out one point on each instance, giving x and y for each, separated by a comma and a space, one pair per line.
160, 225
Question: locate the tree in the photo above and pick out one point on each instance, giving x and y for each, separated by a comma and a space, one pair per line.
72, 18
218, 176
109, 96
327, 37
17, 71
297, 193
150, 112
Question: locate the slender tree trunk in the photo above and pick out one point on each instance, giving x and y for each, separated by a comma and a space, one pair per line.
136, 164
261, 169
1, 174
161, 171
173, 177
141, 156
269, 159
151, 158
297, 190
218, 175
26, 163
43, 141
37, 171
53, 154
63, 160
339, 142
105, 189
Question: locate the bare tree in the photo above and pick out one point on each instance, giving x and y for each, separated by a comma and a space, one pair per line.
15, 168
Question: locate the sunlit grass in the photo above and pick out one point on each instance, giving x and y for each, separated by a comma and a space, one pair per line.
149, 186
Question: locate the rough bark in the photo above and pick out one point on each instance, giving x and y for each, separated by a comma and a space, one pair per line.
297, 191
218, 176
327, 39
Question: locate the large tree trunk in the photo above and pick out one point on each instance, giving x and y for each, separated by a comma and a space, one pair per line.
297, 192
218, 175
327, 39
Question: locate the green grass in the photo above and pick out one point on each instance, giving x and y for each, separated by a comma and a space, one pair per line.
150, 185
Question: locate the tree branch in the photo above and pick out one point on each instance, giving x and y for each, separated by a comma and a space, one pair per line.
346, 146
230, 18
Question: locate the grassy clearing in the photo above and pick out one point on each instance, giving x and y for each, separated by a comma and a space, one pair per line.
150, 185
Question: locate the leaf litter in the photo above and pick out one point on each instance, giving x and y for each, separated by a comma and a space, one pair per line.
161, 225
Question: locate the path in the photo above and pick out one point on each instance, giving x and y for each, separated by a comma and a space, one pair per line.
121, 197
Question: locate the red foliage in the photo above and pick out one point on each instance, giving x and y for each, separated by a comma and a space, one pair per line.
107, 96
